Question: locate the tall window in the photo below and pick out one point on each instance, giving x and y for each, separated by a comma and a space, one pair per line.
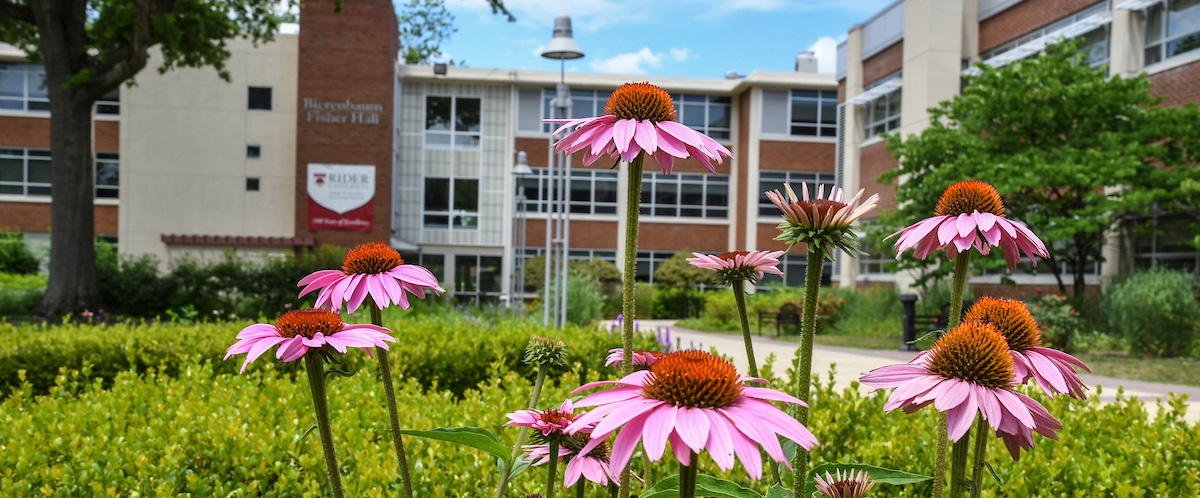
476, 279
452, 122
774, 180
584, 104
1172, 28
882, 114
1095, 42
27, 172
452, 203
684, 195
23, 87
707, 114
814, 113
592, 191
648, 262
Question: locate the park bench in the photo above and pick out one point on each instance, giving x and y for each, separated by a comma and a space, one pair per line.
788, 314
913, 323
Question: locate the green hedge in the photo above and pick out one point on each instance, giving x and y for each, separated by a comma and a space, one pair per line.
20, 293
449, 353
208, 434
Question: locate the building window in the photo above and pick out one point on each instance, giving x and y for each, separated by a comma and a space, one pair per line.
1172, 28
774, 180
108, 175
648, 263
259, 98
1167, 240
1095, 43
584, 104
27, 172
814, 113
684, 195
252, 184
452, 203
476, 279
794, 267
23, 87
592, 191
452, 122
253, 152
109, 103
435, 263
882, 115
707, 114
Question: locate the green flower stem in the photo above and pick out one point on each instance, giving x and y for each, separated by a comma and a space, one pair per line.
981, 441
962, 270
958, 466
739, 295
524, 433
552, 468
385, 373
632, 202
316, 382
812, 287
579, 488
687, 478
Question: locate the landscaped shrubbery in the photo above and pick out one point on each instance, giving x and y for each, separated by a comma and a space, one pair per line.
20, 293
449, 353
15, 256
1156, 311
208, 434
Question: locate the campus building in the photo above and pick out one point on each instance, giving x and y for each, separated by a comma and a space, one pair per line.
321, 137
914, 53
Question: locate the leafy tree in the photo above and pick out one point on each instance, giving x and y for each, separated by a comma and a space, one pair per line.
677, 272
89, 48
424, 26
1071, 151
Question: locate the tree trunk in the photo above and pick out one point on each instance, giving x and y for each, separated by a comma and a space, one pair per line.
72, 286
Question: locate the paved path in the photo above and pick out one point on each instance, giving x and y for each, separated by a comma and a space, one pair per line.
852, 363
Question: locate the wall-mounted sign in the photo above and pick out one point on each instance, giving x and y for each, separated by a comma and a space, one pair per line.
340, 197
346, 112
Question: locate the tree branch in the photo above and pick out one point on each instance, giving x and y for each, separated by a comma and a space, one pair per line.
16, 12
121, 66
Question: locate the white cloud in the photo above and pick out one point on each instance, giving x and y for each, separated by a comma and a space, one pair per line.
680, 54
826, 49
631, 63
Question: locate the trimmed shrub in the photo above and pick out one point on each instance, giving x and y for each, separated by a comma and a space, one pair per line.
1156, 311
15, 256
20, 293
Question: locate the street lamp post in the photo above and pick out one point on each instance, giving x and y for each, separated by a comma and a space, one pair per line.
516, 288
558, 217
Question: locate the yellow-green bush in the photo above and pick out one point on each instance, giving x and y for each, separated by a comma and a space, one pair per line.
207, 434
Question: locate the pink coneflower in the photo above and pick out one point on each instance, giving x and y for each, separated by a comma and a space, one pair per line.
640, 358
821, 221
739, 266
370, 269
549, 422
970, 214
696, 401
593, 465
968, 371
1052, 369
296, 332
851, 484
639, 117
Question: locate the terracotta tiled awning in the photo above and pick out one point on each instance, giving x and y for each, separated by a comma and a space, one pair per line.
237, 240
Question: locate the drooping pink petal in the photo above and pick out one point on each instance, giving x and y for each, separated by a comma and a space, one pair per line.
623, 131
692, 426
657, 430
260, 346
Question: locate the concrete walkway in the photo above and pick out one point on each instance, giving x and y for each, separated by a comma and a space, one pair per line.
852, 363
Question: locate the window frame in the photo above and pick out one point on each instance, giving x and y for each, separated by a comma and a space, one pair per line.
478, 294
250, 98
451, 213
654, 259
1164, 41
818, 126
795, 265
766, 208
452, 132
651, 181
1055, 26
596, 98
25, 99
709, 101
101, 159
874, 126
590, 206
107, 159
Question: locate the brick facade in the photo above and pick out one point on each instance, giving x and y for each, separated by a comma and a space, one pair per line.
796, 156
34, 133
584, 234
883, 63
1180, 85
348, 56
877, 160
676, 237
1024, 17
35, 217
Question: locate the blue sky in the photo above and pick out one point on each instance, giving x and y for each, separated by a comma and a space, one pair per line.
694, 38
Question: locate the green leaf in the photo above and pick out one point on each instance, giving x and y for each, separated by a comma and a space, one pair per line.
475, 437
878, 474
778, 491
706, 485
519, 466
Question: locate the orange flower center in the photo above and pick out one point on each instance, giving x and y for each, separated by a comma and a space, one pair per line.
968, 197
732, 255
308, 322
1011, 318
371, 258
823, 207
694, 379
557, 417
641, 101
581, 439
974, 352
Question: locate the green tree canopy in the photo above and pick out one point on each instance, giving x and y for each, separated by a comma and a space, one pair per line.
677, 272
1072, 152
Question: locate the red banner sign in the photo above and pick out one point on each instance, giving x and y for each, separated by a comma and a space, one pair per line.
340, 197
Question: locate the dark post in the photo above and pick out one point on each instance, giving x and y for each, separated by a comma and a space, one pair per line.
909, 320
